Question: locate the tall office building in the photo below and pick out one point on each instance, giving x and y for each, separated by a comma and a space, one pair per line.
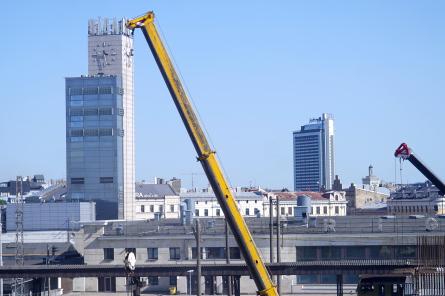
99, 123
314, 154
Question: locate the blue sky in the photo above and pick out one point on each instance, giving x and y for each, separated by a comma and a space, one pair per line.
256, 70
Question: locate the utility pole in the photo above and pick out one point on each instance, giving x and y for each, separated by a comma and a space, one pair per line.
47, 263
197, 232
278, 244
229, 278
271, 259
19, 251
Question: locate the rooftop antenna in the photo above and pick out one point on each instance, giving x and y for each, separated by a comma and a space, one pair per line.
19, 251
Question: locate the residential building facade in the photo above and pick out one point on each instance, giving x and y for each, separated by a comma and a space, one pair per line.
417, 199
156, 199
313, 155
326, 204
205, 204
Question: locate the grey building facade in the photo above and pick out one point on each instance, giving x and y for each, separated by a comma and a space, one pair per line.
99, 123
94, 132
313, 154
51, 216
170, 242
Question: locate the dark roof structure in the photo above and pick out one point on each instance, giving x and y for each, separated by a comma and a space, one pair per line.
153, 190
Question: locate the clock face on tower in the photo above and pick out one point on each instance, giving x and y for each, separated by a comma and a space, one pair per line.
104, 55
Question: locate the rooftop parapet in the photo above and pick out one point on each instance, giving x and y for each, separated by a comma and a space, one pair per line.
106, 26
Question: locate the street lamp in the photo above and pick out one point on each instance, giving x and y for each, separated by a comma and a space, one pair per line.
190, 271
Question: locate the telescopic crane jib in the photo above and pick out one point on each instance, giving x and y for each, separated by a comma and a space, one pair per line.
206, 155
407, 153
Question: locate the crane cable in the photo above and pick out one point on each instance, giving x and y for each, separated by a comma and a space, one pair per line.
201, 122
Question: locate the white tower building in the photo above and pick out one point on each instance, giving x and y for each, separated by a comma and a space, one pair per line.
110, 52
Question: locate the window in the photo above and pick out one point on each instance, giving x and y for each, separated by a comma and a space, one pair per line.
218, 212
197, 213
235, 253
247, 212
152, 253
161, 209
206, 212
77, 132
76, 124
106, 180
106, 284
76, 112
76, 118
152, 208
195, 254
90, 90
172, 208
105, 132
142, 209
318, 210
90, 111
153, 280
173, 281
75, 91
105, 89
282, 210
76, 103
325, 210
216, 253
108, 254
289, 210
175, 254
90, 132
336, 210
77, 181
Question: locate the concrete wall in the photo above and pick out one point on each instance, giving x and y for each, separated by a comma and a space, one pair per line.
51, 216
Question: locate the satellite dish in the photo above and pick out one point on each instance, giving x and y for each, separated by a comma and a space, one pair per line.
431, 224
130, 262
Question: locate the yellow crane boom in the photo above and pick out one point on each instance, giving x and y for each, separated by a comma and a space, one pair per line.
206, 156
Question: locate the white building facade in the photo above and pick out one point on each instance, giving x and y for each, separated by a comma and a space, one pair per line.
155, 201
110, 52
328, 204
205, 204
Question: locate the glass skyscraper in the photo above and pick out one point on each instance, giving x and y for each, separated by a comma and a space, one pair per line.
313, 147
99, 123
94, 142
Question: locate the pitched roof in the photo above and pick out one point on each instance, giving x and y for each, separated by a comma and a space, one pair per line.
153, 190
